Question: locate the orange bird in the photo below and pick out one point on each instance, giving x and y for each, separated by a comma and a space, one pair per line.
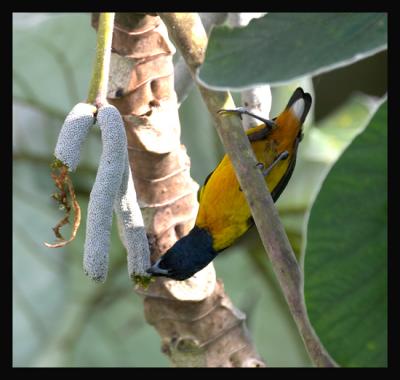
224, 214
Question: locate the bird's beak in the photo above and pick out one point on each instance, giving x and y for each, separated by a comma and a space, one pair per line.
155, 270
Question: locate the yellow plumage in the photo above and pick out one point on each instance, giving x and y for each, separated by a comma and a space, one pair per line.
224, 214
223, 209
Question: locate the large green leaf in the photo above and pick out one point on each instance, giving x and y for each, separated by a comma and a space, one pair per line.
282, 46
346, 256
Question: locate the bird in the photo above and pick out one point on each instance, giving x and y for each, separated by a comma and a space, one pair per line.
224, 214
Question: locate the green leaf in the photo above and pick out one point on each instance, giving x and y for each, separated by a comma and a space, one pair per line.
282, 46
346, 256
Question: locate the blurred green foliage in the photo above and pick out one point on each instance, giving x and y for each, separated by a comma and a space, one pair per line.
61, 318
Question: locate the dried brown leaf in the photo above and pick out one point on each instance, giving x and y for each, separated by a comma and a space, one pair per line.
64, 184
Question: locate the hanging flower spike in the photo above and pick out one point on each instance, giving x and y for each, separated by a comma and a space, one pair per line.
73, 134
131, 228
104, 191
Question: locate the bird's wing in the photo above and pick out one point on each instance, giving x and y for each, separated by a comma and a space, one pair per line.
261, 134
277, 191
200, 192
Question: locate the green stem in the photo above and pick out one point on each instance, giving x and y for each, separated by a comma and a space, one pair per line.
98, 85
190, 38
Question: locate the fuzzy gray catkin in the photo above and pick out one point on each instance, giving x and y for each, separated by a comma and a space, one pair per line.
131, 226
113, 189
73, 134
104, 191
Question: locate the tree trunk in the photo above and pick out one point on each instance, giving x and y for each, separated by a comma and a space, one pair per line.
198, 324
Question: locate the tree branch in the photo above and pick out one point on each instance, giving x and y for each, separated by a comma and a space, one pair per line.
190, 38
256, 99
99, 83
183, 81
197, 322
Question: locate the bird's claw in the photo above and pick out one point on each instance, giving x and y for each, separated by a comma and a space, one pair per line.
243, 111
226, 111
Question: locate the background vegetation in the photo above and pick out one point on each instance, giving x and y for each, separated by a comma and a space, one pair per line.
61, 318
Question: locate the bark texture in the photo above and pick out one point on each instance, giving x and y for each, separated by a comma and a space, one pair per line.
197, 322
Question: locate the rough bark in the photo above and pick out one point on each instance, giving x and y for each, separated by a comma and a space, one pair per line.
197, 322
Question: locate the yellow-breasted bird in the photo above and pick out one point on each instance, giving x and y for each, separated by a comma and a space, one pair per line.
224, 214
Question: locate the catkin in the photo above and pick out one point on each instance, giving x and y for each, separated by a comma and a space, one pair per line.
73, 134
102, 197
113, 189
131, 226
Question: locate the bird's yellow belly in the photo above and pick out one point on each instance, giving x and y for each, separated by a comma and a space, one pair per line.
223, 209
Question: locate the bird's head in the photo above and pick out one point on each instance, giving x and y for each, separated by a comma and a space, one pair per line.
186, 257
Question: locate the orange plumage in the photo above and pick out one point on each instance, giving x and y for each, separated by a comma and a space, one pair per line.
224, 214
